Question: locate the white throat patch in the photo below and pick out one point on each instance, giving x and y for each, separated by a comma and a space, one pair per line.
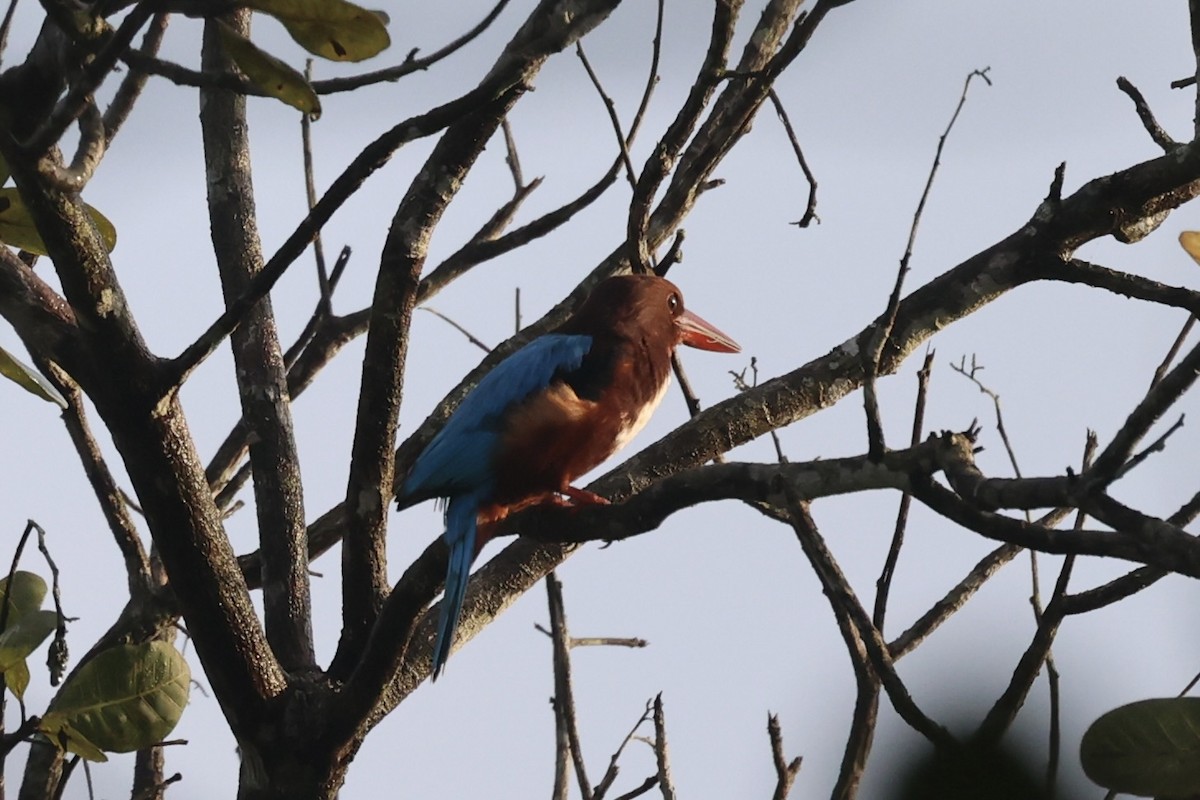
631, 427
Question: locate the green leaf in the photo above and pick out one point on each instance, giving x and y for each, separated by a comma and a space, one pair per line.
268, 73
59, 731
17, 228
22, 637
16, 678
126, 698
29, 378
28, 592
333, 29
1147, 748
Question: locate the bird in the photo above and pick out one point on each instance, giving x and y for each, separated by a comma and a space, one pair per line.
549, 413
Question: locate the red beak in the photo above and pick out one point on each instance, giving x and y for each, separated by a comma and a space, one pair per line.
695, 332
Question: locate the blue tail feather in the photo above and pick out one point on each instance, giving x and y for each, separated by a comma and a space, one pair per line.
460, 537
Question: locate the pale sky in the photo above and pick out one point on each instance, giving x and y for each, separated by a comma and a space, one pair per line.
737, 622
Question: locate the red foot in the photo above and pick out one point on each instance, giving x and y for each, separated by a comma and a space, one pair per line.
582, 497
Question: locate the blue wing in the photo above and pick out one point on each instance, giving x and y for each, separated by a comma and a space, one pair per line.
458, 459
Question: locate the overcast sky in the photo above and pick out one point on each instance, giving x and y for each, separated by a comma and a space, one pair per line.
736, 621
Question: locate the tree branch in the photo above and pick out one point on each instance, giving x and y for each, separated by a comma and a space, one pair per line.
259, 369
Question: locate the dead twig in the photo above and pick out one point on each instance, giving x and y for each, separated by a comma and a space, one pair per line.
785, 771
810, 210
1160, 136
882, 331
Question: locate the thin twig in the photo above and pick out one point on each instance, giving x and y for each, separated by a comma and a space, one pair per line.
6, 26
673, 255
321, 318
598, 641
882, 332
511, 158
157, 790
113, 501
1158, 399
646, 786
134, 82
472, 338
411, 63
842, 597
971, 373
1157, 446
610, 774
1173, 351
566, 723
884, 584
660, 751
1160, 136
1194, 18
953, 600
740, 383
785, 771
611, 107
1052, 675
310, 190
666, 152
810, 210
182, 76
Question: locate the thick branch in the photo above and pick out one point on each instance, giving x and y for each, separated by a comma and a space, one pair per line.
258, 360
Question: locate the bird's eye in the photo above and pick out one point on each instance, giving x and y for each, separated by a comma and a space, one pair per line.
674, 303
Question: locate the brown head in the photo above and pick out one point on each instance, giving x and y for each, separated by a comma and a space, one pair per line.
645, 308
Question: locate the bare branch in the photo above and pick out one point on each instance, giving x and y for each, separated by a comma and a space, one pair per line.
810, 210
1194, 16
372, 157
1002, 713
853, 614
874, 349
1173, 351
6, 25
610, 774
131, 87
92, 75
565, 722
646, 786
660, 751
1160, 136
667, 151
785, 771
412, 63
1110, 464
472, 338
87, 157
108, 493
611, 107
260, 372
884, 583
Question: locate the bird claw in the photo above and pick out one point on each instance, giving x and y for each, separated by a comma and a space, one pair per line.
582, 497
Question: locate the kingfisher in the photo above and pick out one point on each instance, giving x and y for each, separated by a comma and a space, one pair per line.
549, 413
